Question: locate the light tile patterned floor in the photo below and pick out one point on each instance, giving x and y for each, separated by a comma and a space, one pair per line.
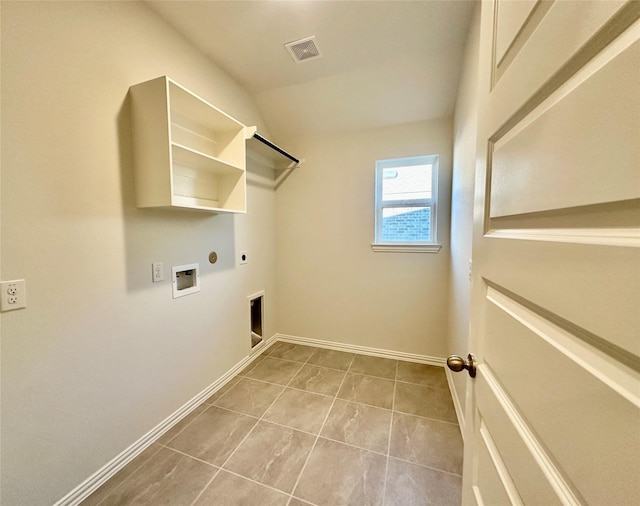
306, 426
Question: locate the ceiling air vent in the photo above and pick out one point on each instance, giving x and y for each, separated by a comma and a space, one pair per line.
304, 49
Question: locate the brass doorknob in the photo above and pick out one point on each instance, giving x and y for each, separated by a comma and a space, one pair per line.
456, 363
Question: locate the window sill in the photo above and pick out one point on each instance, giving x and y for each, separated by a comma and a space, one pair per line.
407, 248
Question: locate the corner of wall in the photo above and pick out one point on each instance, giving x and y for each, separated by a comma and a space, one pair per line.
462, 194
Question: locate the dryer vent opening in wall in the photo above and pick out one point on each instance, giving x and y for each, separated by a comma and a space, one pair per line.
256, 309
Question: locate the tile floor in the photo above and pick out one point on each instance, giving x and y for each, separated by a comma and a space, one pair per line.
306, 426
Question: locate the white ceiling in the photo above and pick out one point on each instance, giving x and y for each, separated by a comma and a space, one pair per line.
383, 62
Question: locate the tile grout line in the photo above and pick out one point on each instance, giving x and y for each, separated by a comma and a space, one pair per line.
284, 387
197, 498
190, 456
219, 469
436, 469
320, 431
227, 460
164, 445
322, 426
196, 458
183, 428
229, 457
254, 481
351, 445
228, 383
287, 386
384, 454
393, 405
427, 418
373, 406
327, 395
213, 477
306, 362
348, 371
101, 501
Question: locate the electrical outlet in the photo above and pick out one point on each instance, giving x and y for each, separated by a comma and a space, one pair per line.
243, 257
13, 295
157, 272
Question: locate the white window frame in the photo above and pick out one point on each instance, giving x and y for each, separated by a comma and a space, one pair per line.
431, 246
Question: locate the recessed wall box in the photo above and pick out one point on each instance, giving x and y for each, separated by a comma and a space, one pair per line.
185, 279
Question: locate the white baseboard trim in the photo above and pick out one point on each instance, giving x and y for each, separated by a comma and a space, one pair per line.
457, 403
362, 350
91, 484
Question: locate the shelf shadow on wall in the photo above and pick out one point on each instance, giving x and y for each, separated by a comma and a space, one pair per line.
170, 236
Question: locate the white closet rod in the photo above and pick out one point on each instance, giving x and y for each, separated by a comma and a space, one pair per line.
267, 142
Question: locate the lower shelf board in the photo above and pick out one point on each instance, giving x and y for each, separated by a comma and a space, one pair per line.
213, 206
184, 201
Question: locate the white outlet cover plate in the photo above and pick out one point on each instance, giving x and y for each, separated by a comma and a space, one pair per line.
157, 272
243, 257
13, 295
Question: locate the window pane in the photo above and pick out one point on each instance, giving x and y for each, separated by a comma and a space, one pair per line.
406, 183
406, 224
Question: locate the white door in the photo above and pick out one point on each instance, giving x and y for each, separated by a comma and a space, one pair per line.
553, 413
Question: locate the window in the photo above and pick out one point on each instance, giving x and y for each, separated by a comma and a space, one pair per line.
406, 197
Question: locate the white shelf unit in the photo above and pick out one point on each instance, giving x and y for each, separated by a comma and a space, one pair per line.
187, 152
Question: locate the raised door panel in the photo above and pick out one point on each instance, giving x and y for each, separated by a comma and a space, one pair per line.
599, 164
556, 256
514, 448
495, 484
596, 287
590, 395
537, 57
512, 19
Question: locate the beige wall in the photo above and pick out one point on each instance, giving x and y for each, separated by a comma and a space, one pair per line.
462, 189
101, 355
331, 285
